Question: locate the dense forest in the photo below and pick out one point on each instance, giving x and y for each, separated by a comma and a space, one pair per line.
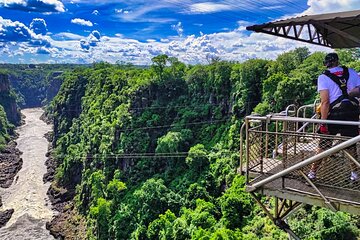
6, 129
9, 112
23, 85
35, 84
152, 153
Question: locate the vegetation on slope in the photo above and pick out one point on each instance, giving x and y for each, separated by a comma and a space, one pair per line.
152, 153
35, 85
6, 129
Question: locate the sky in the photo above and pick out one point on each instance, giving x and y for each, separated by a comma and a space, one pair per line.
194, 31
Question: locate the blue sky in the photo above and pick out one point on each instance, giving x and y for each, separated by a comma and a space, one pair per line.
78, 31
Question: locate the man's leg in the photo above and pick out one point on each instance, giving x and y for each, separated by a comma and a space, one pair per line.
352, 131
324, 144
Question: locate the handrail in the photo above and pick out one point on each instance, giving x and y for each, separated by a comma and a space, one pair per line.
304, 163
287, 110
296, 119
305, 125
298, 131
303, 107
241, 146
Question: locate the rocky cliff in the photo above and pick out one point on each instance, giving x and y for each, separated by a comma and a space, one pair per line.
54, 83
8, 100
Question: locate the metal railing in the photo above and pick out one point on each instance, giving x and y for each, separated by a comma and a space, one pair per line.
285, 147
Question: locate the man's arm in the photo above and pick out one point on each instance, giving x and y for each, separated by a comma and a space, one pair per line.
355, 92
325, 103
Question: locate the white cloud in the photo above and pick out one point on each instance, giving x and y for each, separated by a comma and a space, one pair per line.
208, 7
272, 7
328, 6
139, 14
92, 40
18, 32
44, 6
95, 12
67, 36
82, 22
38, 25
234, 45
178, 28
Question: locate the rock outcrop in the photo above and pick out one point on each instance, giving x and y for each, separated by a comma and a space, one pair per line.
54, 81
5, 216
10, 164
8, 101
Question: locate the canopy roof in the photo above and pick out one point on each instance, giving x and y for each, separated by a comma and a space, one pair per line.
335, 30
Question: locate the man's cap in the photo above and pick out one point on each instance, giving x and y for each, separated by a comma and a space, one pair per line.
330, 58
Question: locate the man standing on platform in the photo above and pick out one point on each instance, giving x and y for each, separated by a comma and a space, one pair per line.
338, 86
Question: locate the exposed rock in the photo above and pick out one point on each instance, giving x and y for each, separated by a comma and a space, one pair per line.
49, 136
55, 82
4, 83
46, 118
10, 164
58, 195
8, 101
51, 167
5, 216
68, 224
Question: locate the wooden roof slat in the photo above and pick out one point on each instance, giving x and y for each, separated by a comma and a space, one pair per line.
338, 30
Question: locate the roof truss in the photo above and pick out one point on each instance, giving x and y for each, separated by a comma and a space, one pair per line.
300, 32
334, 30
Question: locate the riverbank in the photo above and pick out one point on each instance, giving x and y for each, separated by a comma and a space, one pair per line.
26, 192
68, 223
10, 165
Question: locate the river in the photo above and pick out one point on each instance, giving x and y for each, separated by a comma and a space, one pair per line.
27, 195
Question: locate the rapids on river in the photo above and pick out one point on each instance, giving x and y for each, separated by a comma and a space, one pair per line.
27, 195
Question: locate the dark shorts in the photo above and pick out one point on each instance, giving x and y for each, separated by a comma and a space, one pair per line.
343, 130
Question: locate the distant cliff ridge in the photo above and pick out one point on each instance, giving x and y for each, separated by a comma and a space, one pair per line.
8, 100
4, 83
35, 84
54, 84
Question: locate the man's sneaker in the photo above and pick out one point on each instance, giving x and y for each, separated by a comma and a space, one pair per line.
354, 176
311, 175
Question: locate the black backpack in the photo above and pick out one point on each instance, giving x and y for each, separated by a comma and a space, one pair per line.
344, 107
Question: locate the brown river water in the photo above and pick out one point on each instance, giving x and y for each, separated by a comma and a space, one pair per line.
27, 195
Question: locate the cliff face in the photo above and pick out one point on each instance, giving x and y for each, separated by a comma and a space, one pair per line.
54, 81
8, 100
4, 83
35, 85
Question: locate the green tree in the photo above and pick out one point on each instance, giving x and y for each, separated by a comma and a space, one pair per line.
101, 212
197, 157
159, 63
152, 199
251, 76
162, 228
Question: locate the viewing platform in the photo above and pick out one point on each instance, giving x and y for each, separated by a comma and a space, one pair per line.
277, 155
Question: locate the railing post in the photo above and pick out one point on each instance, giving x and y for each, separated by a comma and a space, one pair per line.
284, 151
241, 147
247, 149
262, 148
304, 163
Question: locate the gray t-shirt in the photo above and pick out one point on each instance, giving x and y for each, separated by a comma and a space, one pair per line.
325, 82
